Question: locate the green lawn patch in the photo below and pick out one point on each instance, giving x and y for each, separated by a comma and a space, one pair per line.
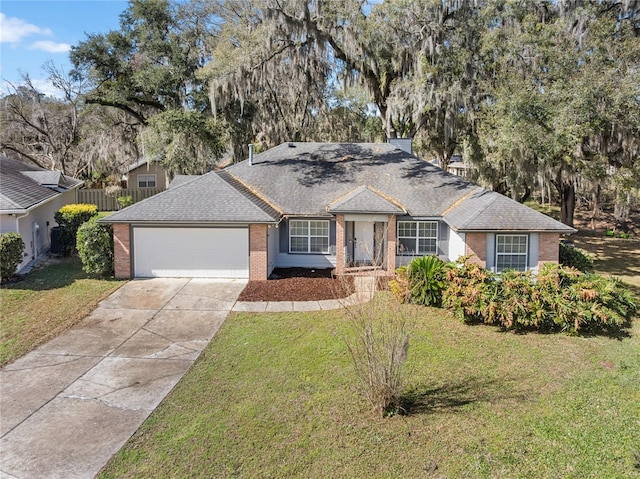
46, 302
275, 395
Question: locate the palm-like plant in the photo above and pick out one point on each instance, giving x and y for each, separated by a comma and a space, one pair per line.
427, 277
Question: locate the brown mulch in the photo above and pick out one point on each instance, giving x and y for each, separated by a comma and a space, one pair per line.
298, 284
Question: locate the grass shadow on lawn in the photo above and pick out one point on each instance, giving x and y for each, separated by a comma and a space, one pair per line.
424, 399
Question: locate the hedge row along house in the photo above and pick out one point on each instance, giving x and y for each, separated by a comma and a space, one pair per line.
349, 207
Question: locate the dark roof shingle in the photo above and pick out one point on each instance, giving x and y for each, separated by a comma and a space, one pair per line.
22, 185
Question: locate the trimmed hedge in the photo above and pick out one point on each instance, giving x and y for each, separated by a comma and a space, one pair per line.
11, 250
70, 217
95, 247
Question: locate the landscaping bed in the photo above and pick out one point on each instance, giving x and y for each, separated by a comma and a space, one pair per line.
298, 284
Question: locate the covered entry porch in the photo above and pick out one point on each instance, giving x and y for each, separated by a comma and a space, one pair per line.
365, 243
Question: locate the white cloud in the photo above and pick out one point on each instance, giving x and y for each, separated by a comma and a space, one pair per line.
13, 29
49, 46
45, 86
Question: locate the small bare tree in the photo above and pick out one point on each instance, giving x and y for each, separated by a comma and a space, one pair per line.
378, 344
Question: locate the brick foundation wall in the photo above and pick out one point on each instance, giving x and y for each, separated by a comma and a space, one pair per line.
391, 244
340, 260
476, 245
548, 248
122, 250
258, 257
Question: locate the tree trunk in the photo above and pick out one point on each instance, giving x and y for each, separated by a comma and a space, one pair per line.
595, 200
567, 202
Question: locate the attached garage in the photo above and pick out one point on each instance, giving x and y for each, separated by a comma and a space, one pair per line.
184, 252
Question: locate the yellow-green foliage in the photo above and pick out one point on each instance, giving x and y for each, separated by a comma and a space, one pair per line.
70, 218
77, 209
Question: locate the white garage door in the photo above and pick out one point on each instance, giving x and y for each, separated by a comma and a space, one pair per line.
191, 252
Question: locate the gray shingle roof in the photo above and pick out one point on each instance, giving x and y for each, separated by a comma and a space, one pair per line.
485, 210
317, 179
363, 200
21, 185
305, 178
180, 179
205, 199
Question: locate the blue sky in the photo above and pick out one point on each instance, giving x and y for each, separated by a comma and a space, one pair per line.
34, 31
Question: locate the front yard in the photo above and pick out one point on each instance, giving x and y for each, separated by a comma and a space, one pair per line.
49, 300
274, 395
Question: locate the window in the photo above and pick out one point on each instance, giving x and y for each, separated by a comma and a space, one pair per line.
417, 237
511, 252
309, 236
146, 181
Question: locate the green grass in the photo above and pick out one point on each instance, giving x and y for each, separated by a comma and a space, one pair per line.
275, 395
46, 302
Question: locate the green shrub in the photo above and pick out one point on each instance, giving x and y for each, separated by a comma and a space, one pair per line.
575, 258
124, 201
557, 299
471, 292
95, 247
427, 280
70, 217
585, 302
11, 250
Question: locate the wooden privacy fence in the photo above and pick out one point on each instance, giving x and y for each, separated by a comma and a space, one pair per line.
110, 203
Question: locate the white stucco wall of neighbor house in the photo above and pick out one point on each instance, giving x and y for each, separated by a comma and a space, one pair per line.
35, 226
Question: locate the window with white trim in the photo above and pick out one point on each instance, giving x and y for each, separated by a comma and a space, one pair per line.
309, 236
417, 237
146, 181
512, 252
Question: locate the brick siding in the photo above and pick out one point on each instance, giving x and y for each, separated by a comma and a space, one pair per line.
258, 257
391, 244
122, 250
476, 245
548, 248
340, 260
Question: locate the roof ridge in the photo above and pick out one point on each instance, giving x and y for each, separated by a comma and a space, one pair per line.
229, 179
460, 200
482, 210
388, 198
343, 197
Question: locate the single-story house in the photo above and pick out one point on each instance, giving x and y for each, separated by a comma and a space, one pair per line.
29, 198
326, 205
147, 174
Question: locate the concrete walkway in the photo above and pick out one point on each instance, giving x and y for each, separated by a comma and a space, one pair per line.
69, 405
72, 403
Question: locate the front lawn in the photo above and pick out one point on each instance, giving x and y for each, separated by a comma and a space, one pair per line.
275, 395
46, 302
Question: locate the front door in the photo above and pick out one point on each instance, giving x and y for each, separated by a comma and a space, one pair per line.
363, 242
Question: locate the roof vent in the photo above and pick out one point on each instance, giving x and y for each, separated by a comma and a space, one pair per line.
291, 145
250, 153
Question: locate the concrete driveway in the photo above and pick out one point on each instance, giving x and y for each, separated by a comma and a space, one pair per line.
69, 405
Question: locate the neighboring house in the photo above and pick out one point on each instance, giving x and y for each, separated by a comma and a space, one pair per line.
323, 205
456, 166
29, 198
147, 174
